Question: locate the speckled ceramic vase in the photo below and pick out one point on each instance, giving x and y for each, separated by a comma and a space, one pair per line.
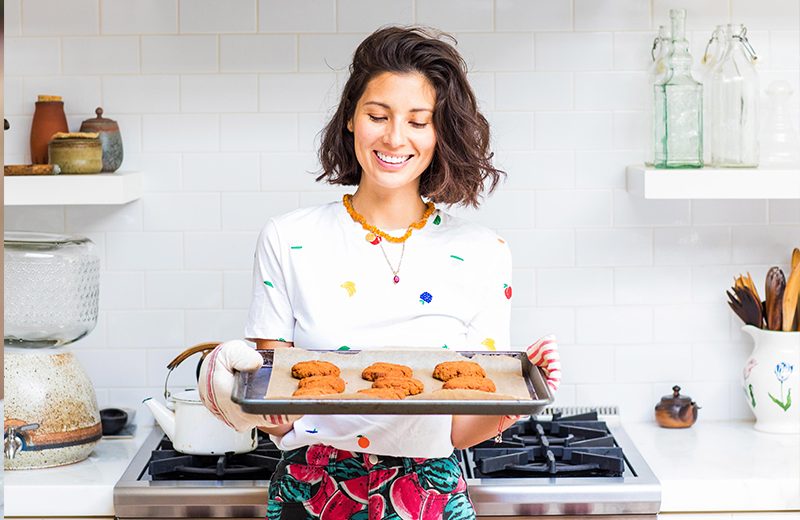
771, 380
51, 415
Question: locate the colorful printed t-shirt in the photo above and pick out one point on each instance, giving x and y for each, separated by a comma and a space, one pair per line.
319, 283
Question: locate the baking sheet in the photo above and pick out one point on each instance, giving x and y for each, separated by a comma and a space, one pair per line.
521, 389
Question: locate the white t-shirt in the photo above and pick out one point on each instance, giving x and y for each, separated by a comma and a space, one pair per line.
319, 283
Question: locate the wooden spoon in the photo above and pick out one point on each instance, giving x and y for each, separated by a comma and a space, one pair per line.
775, 286
790, 297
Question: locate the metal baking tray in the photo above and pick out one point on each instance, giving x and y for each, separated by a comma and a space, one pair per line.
250, 387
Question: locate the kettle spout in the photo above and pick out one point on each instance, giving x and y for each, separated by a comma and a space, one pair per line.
164, 416
688, 413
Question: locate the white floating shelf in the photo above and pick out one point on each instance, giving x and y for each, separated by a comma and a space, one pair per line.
50, 190
713, 183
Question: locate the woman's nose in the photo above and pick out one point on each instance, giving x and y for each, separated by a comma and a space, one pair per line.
394, 135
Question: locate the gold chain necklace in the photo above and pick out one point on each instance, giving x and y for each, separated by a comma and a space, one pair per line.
347, 200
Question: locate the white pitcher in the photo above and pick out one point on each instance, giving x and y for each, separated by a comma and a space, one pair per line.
771, 380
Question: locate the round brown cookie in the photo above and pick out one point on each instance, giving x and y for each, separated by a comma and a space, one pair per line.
450, 369
314, 368
378, 370
313, 391
470, 383
334, 383
383, 393
408, 385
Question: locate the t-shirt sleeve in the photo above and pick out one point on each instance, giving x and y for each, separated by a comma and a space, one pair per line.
490, 329
271, 315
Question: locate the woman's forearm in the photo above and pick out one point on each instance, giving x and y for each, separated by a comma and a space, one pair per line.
469, 430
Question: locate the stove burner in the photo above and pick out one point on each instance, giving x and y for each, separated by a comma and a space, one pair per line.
168, 464
574, 446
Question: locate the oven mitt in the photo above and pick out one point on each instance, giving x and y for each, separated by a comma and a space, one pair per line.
215, 386
544, 353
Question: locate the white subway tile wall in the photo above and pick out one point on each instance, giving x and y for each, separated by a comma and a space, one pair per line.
220, 105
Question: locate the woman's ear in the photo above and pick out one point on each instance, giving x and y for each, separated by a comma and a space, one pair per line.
350, 125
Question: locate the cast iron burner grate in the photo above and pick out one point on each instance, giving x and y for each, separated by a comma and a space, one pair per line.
573, 446
168, 464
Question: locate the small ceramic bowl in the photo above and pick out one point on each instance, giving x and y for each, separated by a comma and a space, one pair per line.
113, 420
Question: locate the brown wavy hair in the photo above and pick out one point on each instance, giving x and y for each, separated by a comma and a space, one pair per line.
461, 168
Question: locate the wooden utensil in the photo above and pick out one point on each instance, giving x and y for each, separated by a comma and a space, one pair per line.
795, 258
746, 306
775, 286
790, 296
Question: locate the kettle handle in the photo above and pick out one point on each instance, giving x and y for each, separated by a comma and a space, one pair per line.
205, 348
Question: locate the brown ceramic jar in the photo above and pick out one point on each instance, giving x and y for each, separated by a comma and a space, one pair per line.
48, 119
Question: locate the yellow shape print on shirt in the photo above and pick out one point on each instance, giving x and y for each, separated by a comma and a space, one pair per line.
350, 287
489, 343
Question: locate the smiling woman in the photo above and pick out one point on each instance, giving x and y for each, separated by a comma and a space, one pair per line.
407, 129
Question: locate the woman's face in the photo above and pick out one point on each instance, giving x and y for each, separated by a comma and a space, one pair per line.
393, 131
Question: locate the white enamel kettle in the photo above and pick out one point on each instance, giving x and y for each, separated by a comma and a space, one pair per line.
191, 427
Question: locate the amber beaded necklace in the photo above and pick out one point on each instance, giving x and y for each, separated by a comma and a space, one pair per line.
347, 200
375, 235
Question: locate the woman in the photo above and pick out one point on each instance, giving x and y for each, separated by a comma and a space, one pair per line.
379, 269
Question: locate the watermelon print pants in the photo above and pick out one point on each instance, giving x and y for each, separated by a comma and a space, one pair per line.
321, 482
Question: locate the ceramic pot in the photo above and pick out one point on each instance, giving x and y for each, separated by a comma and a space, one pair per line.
110, 139
76, 154
51, 414
771, 380
48, 119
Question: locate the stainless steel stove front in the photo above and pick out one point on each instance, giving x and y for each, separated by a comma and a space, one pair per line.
633, 496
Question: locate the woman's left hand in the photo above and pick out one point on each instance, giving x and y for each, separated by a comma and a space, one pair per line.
544, 353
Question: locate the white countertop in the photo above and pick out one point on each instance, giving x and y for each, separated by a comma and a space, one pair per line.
721, 466
712, 466
85, 488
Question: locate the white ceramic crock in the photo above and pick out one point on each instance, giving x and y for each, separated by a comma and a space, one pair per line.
51, 415
771, 380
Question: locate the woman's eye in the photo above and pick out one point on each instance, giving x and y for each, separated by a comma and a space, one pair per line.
376, 118
418, 125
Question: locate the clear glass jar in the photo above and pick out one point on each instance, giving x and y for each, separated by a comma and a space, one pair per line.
52, 288
781, 145
734, 103
678, 110
715, 49
655, 73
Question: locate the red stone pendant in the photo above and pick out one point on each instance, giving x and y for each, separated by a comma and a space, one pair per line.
396, 279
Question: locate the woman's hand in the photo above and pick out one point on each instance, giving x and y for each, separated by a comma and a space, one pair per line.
216, 386
544, 353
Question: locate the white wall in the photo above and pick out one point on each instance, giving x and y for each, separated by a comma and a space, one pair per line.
219, 103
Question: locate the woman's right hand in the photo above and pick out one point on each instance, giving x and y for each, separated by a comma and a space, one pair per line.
216, 386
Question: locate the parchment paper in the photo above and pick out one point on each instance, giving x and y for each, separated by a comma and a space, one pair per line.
504, 371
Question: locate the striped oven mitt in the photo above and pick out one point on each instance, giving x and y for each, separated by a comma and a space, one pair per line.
544, 353
216, 386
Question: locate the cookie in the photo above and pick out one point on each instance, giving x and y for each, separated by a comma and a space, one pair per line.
334, 383
408, 385
383, 393
314, 368
378, 370
450, 369
313, 391
470, 383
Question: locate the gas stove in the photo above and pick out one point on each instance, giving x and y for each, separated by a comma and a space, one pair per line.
566, 461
